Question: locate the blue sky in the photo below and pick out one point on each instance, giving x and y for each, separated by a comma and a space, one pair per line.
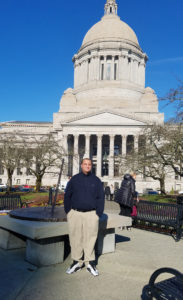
39, 38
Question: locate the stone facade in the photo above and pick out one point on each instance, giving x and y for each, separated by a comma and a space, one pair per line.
107, 108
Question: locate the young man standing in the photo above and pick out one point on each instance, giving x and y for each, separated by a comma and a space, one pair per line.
84, 204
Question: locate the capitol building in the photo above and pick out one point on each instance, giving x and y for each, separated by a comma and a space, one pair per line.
103, 115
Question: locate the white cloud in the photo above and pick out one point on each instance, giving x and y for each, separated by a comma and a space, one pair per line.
166, 60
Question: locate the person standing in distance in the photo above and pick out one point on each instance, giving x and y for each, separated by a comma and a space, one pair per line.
83, 204
127, 195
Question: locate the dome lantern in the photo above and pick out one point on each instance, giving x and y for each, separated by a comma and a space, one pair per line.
111, 7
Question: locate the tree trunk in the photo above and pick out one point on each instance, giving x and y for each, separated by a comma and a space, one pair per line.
162, 186
9, 183
38, 182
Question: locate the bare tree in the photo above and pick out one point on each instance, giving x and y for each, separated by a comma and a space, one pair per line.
42, 155
175, 96
149, 160
11, 154
171, 151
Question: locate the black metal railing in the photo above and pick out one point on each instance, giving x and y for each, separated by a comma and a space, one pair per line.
10, 202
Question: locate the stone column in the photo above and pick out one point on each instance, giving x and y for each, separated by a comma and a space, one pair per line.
105, 67
112, 69
76, 156
120, 67
85, 67
92, 71
79, 74
125, 69
131, 69
135, 67
97, 70
111, 159
142, 73
99, 155
124, 138
87, 146
82, 74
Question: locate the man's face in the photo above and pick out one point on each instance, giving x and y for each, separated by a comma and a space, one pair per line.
86, 166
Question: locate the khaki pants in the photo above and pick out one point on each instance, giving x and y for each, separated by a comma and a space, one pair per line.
83, 231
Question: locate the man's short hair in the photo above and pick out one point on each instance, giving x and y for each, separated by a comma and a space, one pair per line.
86, 158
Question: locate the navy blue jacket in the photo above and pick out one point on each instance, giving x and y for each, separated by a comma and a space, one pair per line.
84, 192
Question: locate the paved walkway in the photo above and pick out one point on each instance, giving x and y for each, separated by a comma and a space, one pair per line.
122, 274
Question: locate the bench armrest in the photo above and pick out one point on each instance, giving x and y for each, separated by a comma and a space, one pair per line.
152, 287
164, 270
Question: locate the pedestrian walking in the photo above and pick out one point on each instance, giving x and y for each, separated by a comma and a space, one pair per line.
84, 204
112, 192
126, 195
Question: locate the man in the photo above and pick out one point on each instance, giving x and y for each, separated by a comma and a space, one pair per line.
84, 204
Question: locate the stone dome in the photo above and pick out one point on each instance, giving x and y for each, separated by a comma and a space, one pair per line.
110, 28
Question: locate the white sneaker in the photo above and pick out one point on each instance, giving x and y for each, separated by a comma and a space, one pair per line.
92, 269
75, 267
122, 227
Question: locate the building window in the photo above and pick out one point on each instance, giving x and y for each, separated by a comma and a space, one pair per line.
27, 181
102, 68
115, 67
117, 145
177, 175
116, 170
28, 172
1, 180
18, 181
105, 168
115, 71
94, 168
19, 172
130, 144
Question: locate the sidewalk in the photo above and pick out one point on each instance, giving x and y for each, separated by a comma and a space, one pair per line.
122, 274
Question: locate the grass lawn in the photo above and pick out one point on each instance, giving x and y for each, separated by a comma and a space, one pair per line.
31, 196
37, 199
159, 198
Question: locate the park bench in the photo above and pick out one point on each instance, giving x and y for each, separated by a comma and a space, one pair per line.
10, 202
171, 288
169, 216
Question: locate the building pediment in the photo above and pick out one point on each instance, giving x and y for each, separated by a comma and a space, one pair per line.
106, 118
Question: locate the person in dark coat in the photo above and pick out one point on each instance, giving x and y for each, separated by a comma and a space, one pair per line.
128, 193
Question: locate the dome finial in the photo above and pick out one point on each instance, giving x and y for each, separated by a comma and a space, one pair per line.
111, 7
